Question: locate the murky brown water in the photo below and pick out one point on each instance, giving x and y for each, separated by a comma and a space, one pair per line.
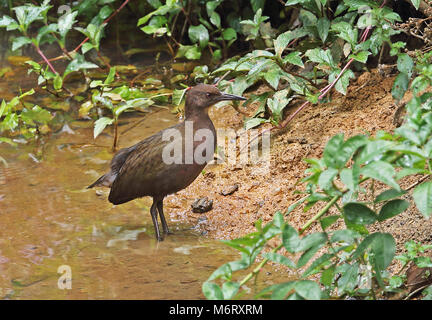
48, 219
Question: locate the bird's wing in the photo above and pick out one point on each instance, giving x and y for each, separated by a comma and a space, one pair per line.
116, 163
142, 166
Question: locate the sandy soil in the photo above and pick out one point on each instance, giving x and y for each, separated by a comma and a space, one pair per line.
367, 108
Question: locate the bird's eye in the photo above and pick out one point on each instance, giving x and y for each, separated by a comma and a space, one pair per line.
208, 95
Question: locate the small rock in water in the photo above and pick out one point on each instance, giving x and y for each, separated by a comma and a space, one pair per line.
202, 205
230, 190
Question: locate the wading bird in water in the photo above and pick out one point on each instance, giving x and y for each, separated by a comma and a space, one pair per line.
149, 168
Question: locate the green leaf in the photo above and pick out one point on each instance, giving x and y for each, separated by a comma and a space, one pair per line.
361, 56
345, 235
400, 86
416, 3
58, 82
312, 240
110, 78
409, 171
190, 52
327, 276
346, 176
65, 23
308, 289
328, 221
37, 114
212, 291
78, 64
215, 19
100, 125
290, 239
382, 171
229, 289
44, 31
294, 58
392, 208
86, 47
9, 23
348, 281
178, 96
19, 42
384, 248
422, 195
317, 265
346, 32
332, 150
281, 290
405, 64
272, 77
343, 82
250, 123
2, 108
275, 257
229, 34
364, 245
358, 213
326, 178
282, 42
388, 195
323, 27
199, 34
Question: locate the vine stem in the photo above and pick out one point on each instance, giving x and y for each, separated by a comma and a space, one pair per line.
45, 59
319, 214
307, 225
259, 267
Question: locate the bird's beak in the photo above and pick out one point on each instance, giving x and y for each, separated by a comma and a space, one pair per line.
227, 96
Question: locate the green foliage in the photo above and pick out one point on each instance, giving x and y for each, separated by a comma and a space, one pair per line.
352, 261
26, 119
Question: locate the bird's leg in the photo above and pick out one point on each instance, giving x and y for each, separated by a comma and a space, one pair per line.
162, 217
154, 214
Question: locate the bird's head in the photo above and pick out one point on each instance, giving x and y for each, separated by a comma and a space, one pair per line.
202, 96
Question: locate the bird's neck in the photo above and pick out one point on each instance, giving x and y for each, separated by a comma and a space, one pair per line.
197, 115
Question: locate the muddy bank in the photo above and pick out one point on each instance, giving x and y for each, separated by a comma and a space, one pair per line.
367, 108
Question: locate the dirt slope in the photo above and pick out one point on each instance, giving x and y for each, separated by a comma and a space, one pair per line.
367, 108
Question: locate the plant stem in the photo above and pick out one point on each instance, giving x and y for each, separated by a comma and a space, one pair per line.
114, 148
319, 214
258, 268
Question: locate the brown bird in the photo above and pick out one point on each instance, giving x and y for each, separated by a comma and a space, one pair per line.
169, 160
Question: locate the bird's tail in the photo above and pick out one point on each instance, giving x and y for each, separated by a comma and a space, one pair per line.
101, 182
